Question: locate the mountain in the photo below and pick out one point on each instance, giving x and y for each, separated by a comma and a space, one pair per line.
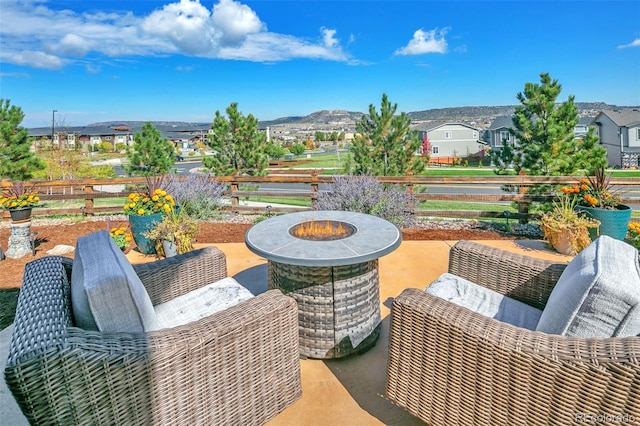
335, 116
342, 117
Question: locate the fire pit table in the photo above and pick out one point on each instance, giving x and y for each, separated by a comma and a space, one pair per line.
328, 262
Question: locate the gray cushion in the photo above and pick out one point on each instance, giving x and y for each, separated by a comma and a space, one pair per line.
484, 301
106, 293
598, 294
201, 303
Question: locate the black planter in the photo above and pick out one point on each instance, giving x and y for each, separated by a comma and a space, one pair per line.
20, 215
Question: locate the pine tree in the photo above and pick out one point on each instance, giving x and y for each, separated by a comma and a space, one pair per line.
547, 144
384, 144
152, 156
18, 162
238, 145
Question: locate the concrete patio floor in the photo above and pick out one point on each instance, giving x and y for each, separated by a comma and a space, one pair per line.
343, 391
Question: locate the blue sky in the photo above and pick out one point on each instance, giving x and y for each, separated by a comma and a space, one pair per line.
161, 60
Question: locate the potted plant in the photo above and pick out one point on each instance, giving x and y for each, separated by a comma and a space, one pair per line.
174, 234
634, 234
595, 198
565, 228
19, 199
121, 237
145, 209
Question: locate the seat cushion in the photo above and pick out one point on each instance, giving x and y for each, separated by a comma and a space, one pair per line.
106, 293
201, 303
598, 294
484, 301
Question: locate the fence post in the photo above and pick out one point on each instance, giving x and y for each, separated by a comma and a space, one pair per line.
235, 199
314, 189
88, 200
523, 206
5, 185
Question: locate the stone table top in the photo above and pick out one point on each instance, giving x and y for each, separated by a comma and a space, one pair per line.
374, 238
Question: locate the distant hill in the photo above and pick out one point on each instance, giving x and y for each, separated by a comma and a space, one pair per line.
342, 117
335, 116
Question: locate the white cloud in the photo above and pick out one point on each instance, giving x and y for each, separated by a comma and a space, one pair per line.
33, 34
73, 44
36, 60
186, 25
235, 21
634, 43
425, 42
329, 37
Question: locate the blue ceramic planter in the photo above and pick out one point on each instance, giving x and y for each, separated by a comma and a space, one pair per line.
613, 223
140, 225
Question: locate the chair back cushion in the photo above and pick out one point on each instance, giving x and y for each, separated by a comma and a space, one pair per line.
106, 293
482, 300
598, 294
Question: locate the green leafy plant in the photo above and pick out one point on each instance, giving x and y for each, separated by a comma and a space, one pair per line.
177, 227
564, 224
634, 234
19, 196
121, 237
595, 191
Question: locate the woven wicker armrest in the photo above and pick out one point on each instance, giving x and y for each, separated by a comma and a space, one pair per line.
450, 366
238, 366
169, 278
520, 277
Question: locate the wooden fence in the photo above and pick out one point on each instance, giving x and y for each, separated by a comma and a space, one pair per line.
89, 190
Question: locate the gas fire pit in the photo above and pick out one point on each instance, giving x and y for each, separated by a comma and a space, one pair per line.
328, 262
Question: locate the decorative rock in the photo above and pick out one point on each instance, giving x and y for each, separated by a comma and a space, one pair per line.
61, 249
19, 240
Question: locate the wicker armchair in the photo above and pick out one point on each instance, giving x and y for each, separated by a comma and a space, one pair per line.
237, 366
450, 366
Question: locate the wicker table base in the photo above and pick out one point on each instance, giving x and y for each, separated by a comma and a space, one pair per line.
338, 306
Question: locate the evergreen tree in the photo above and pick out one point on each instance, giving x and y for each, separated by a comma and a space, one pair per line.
545, 132
238, 145
18, 162
385, 144
152, 156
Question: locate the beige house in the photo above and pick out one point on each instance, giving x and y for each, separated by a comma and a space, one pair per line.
450, 139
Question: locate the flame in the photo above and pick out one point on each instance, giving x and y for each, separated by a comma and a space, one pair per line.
321, 229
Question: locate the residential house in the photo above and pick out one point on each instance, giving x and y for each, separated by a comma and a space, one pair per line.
617, 129
619, 133
498, 132
450, 139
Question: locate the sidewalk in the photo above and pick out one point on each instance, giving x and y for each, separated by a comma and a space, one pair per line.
342, 391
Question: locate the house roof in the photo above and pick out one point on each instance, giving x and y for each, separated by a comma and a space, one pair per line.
623, 117
502, 121
423, 127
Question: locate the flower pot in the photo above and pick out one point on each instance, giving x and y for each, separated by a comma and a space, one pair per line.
562, 244
613, 223
140, 225
20, 215
170, 248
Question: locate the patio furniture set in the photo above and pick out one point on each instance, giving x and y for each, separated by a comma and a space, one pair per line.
501, 338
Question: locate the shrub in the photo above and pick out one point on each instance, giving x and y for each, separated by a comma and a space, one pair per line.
200, 196
364, 194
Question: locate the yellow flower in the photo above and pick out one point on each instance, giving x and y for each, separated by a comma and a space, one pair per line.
141, 212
